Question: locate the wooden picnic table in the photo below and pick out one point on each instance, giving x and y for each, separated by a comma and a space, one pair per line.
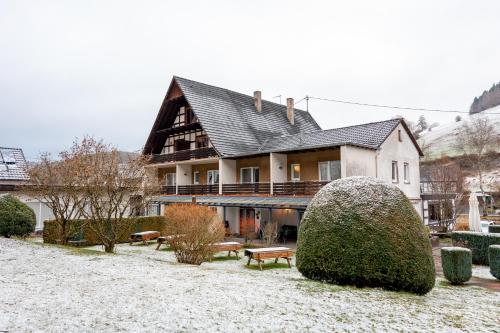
227, 246
165, 240
144, 236
269, 253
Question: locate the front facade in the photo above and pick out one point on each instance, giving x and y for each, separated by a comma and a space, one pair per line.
259, 162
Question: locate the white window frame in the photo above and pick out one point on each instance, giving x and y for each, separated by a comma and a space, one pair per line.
214, 173
394, 172
329, 176
196, 181
252, 174
294, 179
174, 178
406, 172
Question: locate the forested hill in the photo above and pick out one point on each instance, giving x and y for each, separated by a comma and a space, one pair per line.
488, 99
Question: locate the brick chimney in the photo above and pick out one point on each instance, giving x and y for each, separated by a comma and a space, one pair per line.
257, 100
290, 114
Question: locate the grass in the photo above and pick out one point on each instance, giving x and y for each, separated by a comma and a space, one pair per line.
79, 251
268, 266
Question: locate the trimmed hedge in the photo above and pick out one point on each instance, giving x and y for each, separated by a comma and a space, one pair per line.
16, 218
494, 257
494, 228
477, 242
457, 264
361, 231
51, 235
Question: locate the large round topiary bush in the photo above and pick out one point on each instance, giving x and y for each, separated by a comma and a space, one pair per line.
457, 264
364, 232
16, 218
494, 258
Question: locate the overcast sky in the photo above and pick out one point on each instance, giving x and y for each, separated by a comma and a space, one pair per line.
70, 68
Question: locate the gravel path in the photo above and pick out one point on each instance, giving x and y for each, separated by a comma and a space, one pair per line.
51, 289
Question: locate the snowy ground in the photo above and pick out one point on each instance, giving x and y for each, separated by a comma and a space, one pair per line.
47, 288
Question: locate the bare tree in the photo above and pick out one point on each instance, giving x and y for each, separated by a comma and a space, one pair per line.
475, 139
447, 189
54, 182
112, 189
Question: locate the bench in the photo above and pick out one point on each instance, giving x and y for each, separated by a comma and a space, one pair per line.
165, 240
227, 246
144, 236
269, 253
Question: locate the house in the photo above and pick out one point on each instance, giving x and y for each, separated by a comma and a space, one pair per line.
256, 161
13, 174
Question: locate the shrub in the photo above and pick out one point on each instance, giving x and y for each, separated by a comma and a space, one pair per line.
80, 228
462, 224
16, 218
365, 232
494, 258
494, 228
477, 242
457, 264
196, 228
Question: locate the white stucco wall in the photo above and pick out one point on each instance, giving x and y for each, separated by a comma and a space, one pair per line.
227, 172
183, 174
402, 152
355, 161
278, 167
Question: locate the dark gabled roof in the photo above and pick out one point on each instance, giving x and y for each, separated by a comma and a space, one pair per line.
12, 164
370, 136
231, 121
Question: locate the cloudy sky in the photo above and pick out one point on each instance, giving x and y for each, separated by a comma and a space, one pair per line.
70, 68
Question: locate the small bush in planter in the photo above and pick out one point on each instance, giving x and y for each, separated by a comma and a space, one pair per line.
197, 228
494, 257
457, 264
16, 218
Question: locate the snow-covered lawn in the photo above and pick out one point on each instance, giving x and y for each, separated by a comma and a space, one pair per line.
52, 289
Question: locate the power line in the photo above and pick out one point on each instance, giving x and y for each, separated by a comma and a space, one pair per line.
388, 106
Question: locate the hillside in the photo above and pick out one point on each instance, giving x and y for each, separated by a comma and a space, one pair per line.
487, 100
439, 141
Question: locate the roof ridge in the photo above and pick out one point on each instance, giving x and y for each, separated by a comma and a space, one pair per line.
236, 92
330, 129
11, 148
370, 123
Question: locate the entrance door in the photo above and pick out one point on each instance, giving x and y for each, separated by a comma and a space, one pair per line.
247, 222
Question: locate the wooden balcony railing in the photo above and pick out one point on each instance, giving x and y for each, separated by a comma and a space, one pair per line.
298, 188
288, 188
438, 187
184, 155
246, 188
198, 189
167, 190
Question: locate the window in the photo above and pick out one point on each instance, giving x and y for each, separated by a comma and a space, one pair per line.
196, 177
295, 172
212, 177
201, 141
400, 138
406, 170
7, 160
170, 179
249, 175
329, 170
395, 176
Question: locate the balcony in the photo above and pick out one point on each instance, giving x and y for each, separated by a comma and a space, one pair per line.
298, 188
184, 155
305, 188
198, 189
247, 188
